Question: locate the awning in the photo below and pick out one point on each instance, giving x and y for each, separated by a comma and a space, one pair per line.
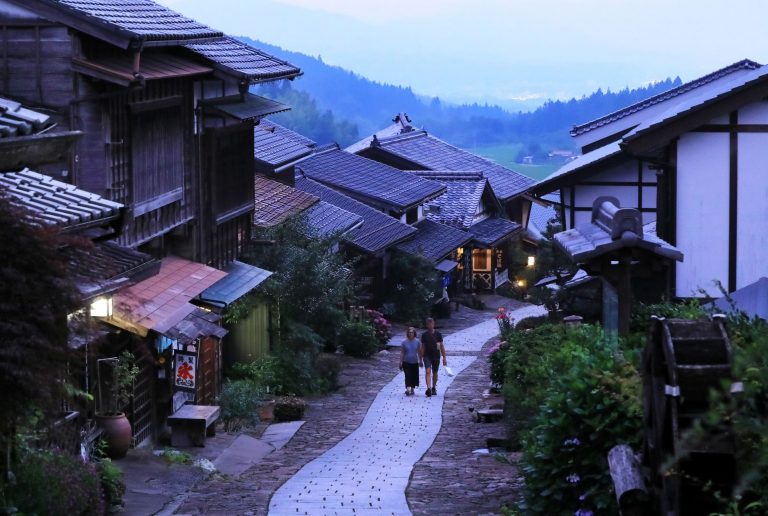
152, 66
446, 265
162, 301
246, 107
199, 323
241, 278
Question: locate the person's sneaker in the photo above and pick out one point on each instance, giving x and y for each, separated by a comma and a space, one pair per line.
407, 392
429, 392
434, 391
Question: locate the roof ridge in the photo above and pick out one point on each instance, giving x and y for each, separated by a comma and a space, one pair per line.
744, 64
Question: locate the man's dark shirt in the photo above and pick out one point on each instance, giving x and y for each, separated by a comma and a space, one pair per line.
429, 341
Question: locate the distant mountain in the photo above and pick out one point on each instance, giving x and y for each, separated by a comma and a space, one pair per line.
334, 104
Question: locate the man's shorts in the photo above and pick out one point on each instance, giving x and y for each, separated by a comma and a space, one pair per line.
432, 363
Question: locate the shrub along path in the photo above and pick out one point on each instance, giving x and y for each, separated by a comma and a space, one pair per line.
358, 445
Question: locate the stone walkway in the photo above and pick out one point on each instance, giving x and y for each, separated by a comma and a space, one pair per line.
368, 472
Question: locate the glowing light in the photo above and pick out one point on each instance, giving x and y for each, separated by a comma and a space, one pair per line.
531, 261
521, 283
101, 307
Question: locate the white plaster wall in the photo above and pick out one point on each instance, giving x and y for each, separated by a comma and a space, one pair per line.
583, 217
756, 113
702, 212
626, 172
586, 195
649, 197
752, 215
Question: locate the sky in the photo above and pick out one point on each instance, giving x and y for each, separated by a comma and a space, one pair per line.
503, 51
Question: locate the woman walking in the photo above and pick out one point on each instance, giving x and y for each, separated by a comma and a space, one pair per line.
409, 360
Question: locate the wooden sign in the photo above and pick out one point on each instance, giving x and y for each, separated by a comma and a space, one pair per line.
185, 372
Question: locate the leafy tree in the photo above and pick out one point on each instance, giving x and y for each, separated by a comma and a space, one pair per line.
35, 298
411, 288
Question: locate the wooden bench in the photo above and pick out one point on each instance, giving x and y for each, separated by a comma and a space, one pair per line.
192, 423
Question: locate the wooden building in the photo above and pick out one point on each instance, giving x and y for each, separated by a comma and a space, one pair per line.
163, 105
691, 160
403, 146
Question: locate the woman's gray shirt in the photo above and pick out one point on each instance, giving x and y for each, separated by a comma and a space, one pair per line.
411, 348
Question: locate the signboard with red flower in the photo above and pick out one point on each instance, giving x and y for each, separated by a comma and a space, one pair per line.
185, 371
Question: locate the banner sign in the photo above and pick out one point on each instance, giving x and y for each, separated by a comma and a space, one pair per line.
185, 371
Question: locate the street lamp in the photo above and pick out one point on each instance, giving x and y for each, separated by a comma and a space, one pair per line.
101, 307
531, 261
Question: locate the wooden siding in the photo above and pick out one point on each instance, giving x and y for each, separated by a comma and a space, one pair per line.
229, 238
249, 339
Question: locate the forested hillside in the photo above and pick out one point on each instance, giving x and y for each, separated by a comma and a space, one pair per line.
333, 104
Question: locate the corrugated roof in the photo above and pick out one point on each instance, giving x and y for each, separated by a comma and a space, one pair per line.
744, 64
426, 151
245, 107
378, 231
236, 58
275, 145
369, 179
490, 231
275, 202
160, 302
154, 65
57, 203
240, 280
199, 323
434, 241
325, 219
141, 18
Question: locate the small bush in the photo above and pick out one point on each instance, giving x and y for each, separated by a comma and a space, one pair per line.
240, 401
358, 340
289, 408
56, 483
263, 372
112, 483
382, 330
328, 368
411, 288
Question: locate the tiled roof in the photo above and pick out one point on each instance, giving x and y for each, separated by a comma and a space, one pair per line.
16, 120
58, 203
490, 231
199, 323
275, 145
402, 124
612, 228
107, 266
275, 202
241, 278
458, 206
541, 215
140, 18
378, 231
325, 219
424, 150
745, 64
246, 107
251, 64
434, 241
368, 179
160, 302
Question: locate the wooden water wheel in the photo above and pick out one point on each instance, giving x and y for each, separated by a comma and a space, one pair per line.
682, 361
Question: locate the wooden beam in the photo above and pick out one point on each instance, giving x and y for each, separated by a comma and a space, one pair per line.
733, 202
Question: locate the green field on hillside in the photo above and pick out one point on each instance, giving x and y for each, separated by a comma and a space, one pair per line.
505, 155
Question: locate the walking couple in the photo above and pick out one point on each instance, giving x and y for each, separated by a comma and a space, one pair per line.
424, 352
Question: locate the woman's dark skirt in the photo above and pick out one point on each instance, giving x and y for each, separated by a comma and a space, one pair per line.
411, 374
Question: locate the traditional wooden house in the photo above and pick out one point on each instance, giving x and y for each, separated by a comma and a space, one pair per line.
691, 161
470, 205
407, 148
164, 106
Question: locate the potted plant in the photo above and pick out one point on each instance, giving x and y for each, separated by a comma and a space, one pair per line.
110, 416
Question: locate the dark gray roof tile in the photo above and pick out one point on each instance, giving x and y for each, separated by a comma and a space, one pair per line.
369, 179
434, 241
275, 145
490, 231
235, 57
326, 219
377, 232
426, 151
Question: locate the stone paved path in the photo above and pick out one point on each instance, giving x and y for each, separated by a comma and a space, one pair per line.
368, 471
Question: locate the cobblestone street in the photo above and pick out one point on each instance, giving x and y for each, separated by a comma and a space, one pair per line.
367, 440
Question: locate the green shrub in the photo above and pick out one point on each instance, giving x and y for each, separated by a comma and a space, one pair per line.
289, 408
358, 340
590, 404
263, 372
411, 288
112, 483
240, 401
328, 368
56, 483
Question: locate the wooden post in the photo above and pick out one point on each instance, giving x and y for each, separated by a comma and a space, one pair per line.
625, 295
627, 480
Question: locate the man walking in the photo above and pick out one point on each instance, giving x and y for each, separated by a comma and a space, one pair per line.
431, 349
